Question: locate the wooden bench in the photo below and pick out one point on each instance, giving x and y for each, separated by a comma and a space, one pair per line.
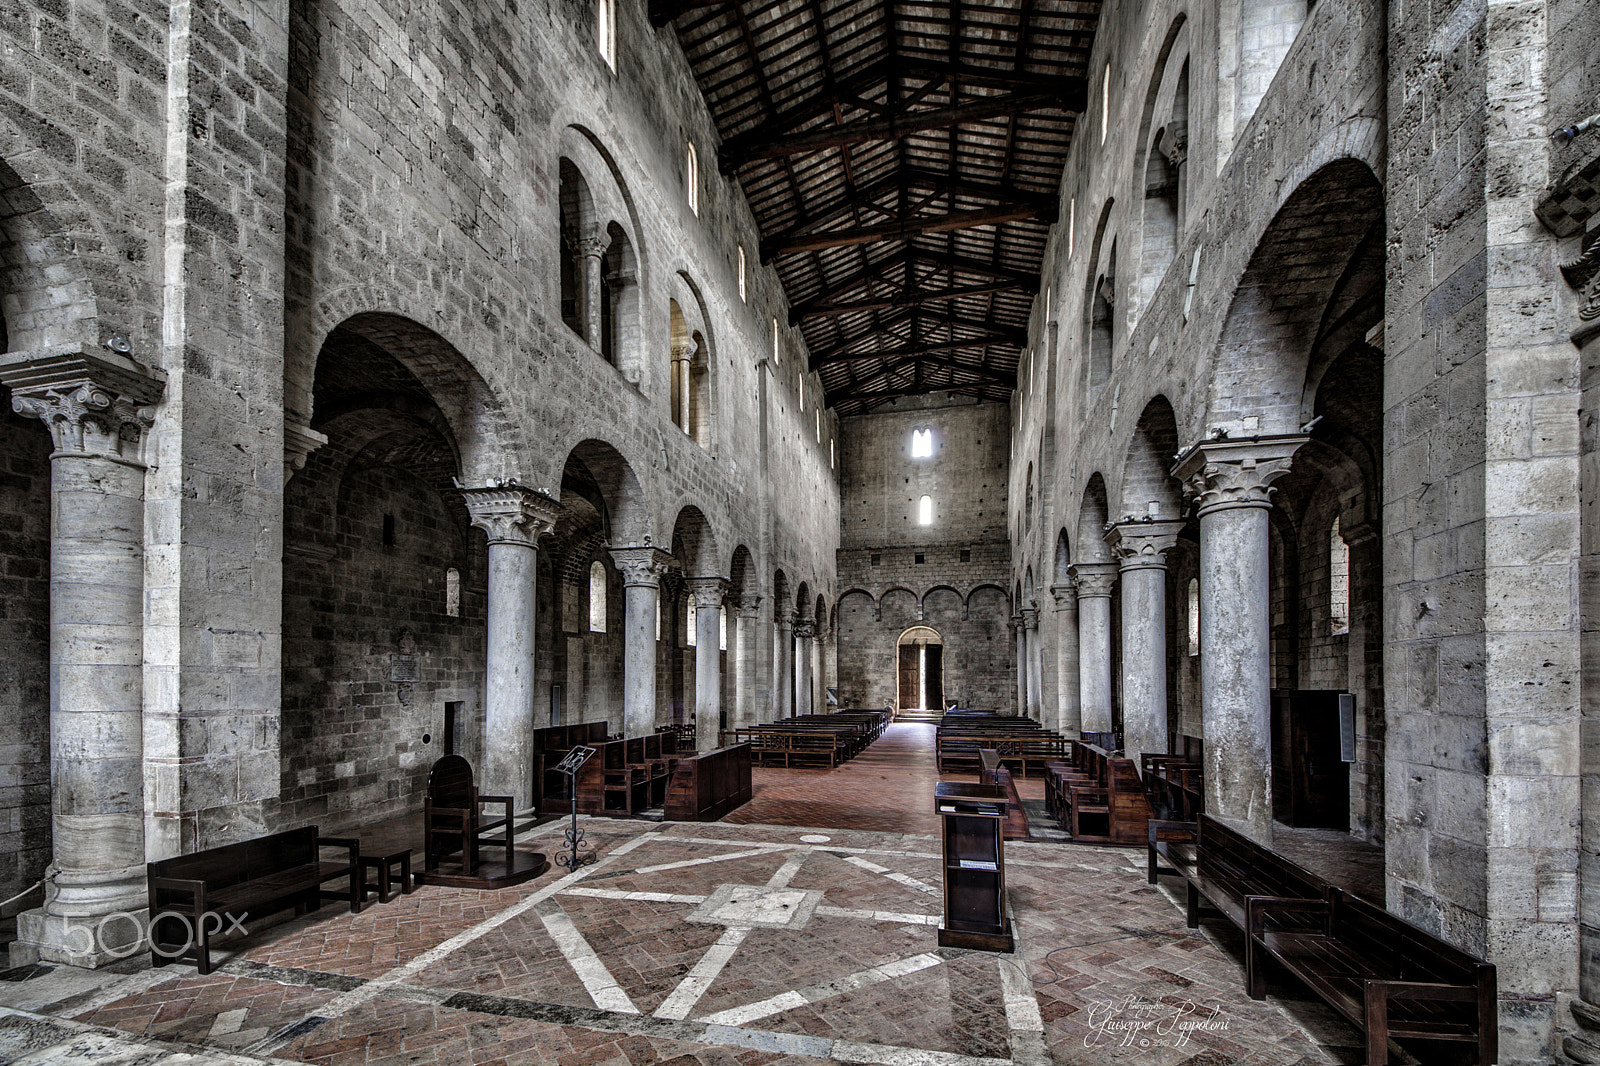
791, 747
1384, 974
1225, 868
217, 890
1108, 806
706, 787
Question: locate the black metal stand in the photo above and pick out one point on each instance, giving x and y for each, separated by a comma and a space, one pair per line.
577, 854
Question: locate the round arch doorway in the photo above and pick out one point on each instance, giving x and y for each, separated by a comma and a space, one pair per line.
921, 669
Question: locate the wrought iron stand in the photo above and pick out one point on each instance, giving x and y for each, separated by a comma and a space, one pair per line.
576, 853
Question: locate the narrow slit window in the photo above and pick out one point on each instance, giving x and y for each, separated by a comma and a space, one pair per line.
819, 425
452, 593
922, 444
608, 32
774, 341
692, 176
597, 597
802, 394
1105, 104
1072, 223
833, 455
688, 632
1338, 583
743, 292
925, 511
722, 630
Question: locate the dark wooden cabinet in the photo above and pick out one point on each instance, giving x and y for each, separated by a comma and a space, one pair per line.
1310, 777
974, 866
706, 787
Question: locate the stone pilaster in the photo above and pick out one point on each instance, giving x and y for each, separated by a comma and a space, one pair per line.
819, 670
514, 519
1019, 638
96, 408
783, 665
642, 570
1069, 709
1141, 549
709, 593
1232, 480
747, 613
1095, 583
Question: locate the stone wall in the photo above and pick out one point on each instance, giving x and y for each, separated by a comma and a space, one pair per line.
951, 575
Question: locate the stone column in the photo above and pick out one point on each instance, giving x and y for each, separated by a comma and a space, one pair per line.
804, 630
514, 518
1069, 711
708, 596
591, 253
782, 667
682, 354
1583, 1045
744, 659
819, 670
1095, 582
95, 409
1019, 636
1233, 482
1141, 548
1030, 643
641, 570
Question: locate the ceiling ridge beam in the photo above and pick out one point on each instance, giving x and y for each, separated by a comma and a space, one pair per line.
912, 298
954, 220
765, 144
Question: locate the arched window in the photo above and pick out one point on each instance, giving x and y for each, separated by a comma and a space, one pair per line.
597, 597
692, 177
925, 511
688, 631
1338, 583
1194, 616
452, 593
608, 32
743, 294
922, 444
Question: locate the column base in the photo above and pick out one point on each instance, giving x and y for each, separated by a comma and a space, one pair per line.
86, 942
1583, 1045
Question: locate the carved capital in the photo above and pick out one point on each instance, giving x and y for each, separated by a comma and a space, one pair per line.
642, 567
749, 605
708, 591
1030, 618
511, 514
1015, 623
1228, 473
1066, 595
92, 404
1141, 545
1094, 580
682, 351
1358, 533
804, 629
299, 442
590, 247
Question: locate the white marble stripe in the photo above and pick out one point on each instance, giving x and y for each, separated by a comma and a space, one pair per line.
596, 978
893, 875
787, 871
816, 993
704, 860
637, 897
348, 1001
878, 916
889, 1055
696, 981
1022, 1007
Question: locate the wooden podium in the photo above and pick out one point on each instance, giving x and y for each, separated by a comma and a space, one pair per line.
974, 866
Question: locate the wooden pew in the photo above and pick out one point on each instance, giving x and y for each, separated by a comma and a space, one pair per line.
991, 772
707, 786
1110, 807
236, 881
1387, 976
1224, 868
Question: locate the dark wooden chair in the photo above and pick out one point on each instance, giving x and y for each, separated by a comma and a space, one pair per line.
453, 820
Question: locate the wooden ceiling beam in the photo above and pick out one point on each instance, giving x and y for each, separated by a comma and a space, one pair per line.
911, 227
913, 298
765, 144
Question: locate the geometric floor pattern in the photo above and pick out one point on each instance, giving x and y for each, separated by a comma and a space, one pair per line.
708, 944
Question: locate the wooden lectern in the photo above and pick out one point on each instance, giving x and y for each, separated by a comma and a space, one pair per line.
974, 866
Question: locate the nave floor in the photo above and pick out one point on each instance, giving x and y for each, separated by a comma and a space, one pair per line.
705, 945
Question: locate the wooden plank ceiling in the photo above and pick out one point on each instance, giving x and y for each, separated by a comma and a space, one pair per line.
903, 159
